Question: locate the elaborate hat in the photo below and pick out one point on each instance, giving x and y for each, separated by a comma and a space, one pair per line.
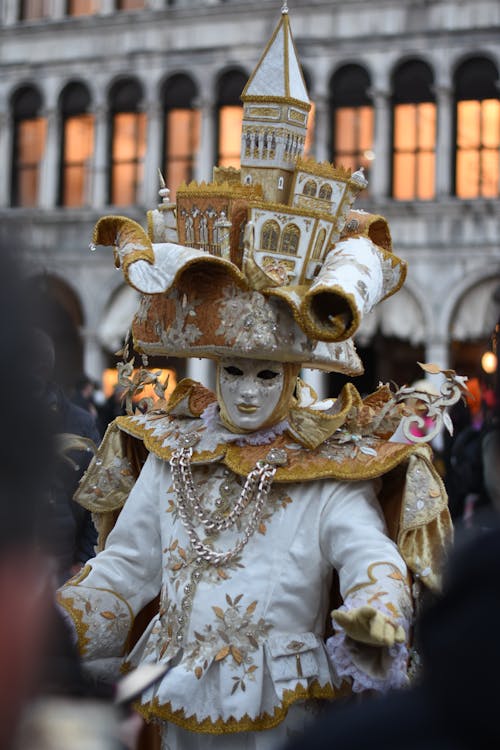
269, 261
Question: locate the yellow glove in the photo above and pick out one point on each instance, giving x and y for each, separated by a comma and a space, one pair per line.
369, 625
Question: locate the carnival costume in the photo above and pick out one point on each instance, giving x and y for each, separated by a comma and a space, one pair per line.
245, 538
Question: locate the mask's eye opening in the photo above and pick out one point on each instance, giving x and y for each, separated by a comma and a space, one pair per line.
267, 374
232, 370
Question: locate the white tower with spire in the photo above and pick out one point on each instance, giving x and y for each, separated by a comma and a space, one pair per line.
275, 111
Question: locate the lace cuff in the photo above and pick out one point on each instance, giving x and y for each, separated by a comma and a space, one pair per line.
368, 667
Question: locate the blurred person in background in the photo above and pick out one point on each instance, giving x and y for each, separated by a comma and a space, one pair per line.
70, 533
84, 395
25, 464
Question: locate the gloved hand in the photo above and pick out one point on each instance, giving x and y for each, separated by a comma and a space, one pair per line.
369, 625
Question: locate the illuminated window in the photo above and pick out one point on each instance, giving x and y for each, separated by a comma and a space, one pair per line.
28, 146
131, 4
182, 131
77, 146
309, 139
414, 133
128, 145
31, 10
325, 192
310, 189
229, 118
83, 7
290, 239
270, 235
477, 130
352, 119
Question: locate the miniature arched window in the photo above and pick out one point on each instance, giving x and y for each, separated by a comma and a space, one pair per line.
318, 245
128, 143
352, 118
290, 239
270, 235
325, 192
28, 145
310, 189
414, 132
77, 146
229, 118
182, 121
477, 124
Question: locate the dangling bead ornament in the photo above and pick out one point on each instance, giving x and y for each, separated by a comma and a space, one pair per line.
256, 490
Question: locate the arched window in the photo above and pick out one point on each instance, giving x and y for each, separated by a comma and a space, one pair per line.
309, 140
318, 245
131, 4
77, 146
28, 146
414, 132
352, 118
182, 130
128, 143
325, 192
290, 239
229, 118
32, 10
310, 189
270, 235
477, 129
83, 7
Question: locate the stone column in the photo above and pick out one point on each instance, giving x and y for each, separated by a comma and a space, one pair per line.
317, 380
380, 177
58, 9
152, 161
107, 7
202, 370
206, 156
444, 150
6, 140
11, 12
49, 167
94, 359
99, 170
438, 352
322, 128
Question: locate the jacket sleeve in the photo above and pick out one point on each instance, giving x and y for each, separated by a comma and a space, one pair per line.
371, 573
104, 598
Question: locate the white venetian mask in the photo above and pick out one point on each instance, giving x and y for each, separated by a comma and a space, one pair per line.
250, 391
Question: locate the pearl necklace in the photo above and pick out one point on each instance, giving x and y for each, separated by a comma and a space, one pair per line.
256, 490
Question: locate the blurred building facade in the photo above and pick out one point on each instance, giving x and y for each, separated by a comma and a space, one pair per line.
96, 96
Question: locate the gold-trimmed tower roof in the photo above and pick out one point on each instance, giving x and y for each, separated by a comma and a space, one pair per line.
275, 111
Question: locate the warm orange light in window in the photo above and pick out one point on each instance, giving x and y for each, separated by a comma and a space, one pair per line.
478, 144
414, 151
230, 122
353, 146
78, 149
183, 140
309, 142
83, 7
110, 383
131, 4
30, 148
129, 147
33, 9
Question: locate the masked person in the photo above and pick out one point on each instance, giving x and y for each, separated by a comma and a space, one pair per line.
241, 519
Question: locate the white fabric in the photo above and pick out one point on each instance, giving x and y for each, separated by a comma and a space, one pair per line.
270, 604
